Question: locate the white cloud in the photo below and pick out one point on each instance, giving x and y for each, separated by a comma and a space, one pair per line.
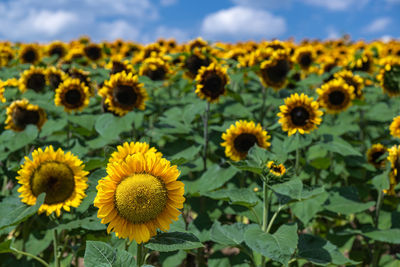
377, 25
168, 2
337, 5
45, 20
241, 22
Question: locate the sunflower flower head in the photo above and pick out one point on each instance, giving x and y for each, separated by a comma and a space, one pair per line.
274, 71
156, 68
33, 79
276, 169
72, 94
394, 175
352, 80
139, 195
395, 127
30, 53
211, 82
374, 155
389, 76
21, 113
241, 136
299, 114
336, 95
60, 175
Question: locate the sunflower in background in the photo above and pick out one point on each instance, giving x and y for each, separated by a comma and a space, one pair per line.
352, 80
362, 62
375, 153
55, 77
93, 52
123, 93
241, 136
72, 94
305, 57
29, 53
6, 54
395, 127
57, 48
33, 79
156, 68
300, 113
388, 76
128, 149
2, 87
83, 76
194, 61
117, 64
274, 71
336, 95
60, 175
276, 169
211, 82
21, 113
139, 195
394, 175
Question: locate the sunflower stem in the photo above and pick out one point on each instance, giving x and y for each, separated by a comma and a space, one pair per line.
140, 256
265, 214
205, 134
55, 248
297, 164
377, 244
29, 255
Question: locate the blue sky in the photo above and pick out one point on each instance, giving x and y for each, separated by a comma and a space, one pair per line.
225, 20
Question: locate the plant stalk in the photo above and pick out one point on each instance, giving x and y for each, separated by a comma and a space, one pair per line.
297, 164
377, 244
140, 254
55, 248
205, 135
265, 215
30, 255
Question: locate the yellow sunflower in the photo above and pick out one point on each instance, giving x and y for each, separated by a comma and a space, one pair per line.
20, 113
388, 76
300, 113
2, 87
55, 77
131, 148
211, 82
194, 62
123, 93
394, 176
33, 79
374, 153
6, 55
83, 76
276, 169
60, 175
336, 95
395, 127
156, 68
94, 52
241, 136
363, 62
274, 71
30, 53
304, 56
117, 64
57, 48
72, 94
139, 196
352, 80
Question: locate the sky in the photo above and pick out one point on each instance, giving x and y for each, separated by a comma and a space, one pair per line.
145, 21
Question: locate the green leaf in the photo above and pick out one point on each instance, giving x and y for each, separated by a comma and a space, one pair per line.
5, 247
89, 223
165, 242
306, 209
345, 201
321, 163
17, 140
110, 126
85, 120
242, 196
381, 181
100, 254
391, 236
320, 251
13, 211
340, 146
279, 246
230, 235
292, 189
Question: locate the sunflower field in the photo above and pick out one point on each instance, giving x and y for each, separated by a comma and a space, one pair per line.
270, 153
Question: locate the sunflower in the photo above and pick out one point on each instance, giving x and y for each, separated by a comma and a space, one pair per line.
60, 175
394, 175
83, 76
276, 169
29, 53
20, 113
335, 95
304, 56
72, 94
352, 80
155, 68
33, 79
2, 87
395, 127
273, 72
139, 195
211, 82
300, 113
241, 136
93, 52
117, 64
194, 62
57, 48
376, 152
388, 76
123, 93
363, 62
131, 148
6, 55
55, 77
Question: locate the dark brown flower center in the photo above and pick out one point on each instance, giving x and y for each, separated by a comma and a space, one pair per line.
299, 116
336, 97
117, 67
36, 82
278, 72
376, 155
156, 75
74, 97
29, 56
213, 85
93, 52
125, 95
305, 60
57, 50
22, 117
244, 142
194, 63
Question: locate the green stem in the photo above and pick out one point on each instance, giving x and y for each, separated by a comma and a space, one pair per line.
55, 248
140, 256
378, 207
377, 244
297, 164
30, 255
205, 135
273, 218
255, 215
265, 215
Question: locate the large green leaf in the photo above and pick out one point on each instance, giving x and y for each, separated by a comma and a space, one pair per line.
320, 251
237, 196
345, 201
100, 254
165, 242
17, 140
391, 236
110, 126
13, 211
306, 209
279, 246
230, 234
